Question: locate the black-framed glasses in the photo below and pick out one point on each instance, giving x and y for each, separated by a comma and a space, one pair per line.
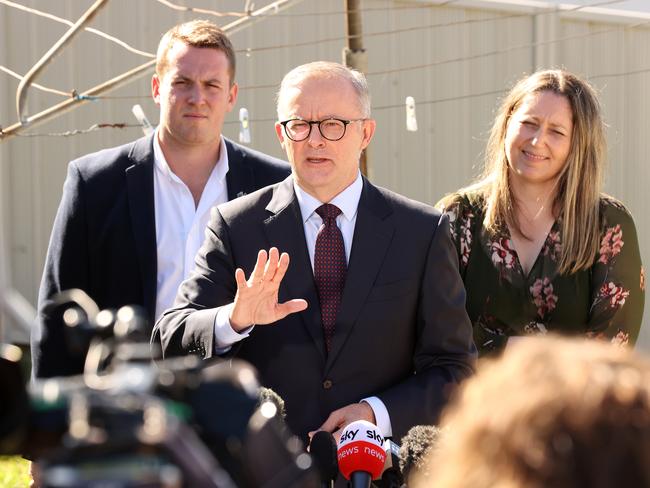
331, 129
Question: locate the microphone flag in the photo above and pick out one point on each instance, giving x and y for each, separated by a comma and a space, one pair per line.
361, 450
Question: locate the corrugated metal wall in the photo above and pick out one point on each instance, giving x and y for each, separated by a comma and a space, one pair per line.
455, 60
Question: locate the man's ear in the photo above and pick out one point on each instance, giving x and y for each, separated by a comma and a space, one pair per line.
284, 140
232, 96
369, 127
155, 88
279, 133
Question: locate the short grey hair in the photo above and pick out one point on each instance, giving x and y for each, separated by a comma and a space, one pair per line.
327, 69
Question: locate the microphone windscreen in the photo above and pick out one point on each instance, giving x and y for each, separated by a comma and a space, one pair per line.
417, 444
323, 449
361, 450
268, 395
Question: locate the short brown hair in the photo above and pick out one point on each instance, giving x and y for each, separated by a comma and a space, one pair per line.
550, 412
196, 33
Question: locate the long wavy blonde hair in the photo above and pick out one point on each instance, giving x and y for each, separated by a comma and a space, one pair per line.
579, 184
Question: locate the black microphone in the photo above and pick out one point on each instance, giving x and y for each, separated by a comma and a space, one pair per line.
417, 445
14, 407
391, 476
242, 425
323, 449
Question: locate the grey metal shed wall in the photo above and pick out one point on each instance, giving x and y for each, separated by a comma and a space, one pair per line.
456, 60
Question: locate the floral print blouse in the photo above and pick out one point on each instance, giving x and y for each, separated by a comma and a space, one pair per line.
605, 301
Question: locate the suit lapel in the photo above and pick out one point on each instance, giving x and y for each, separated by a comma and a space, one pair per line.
240, 179
139, 182
372, 236
285, 230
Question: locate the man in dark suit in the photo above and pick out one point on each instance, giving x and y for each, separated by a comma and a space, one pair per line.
132, 217
368, 320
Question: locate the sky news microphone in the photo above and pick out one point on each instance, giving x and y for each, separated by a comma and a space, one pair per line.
361, 453
323, 450
417, 446
391, 476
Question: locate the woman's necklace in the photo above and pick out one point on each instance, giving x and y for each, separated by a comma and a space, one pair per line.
540, 200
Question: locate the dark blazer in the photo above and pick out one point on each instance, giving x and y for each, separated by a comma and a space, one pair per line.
104, 237
402, 332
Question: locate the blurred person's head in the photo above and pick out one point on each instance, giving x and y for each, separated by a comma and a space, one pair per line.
550, 412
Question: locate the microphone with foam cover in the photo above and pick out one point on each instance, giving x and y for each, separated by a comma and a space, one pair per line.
361, 453
267, 395
417, 444
323, 450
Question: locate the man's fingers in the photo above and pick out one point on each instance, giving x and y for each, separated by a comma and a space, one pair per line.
342, 417
282, 267
271, 264
291, 306
333, 422
337, 435
240, 277
258, 271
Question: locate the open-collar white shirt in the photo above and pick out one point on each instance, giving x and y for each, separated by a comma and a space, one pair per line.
180, 224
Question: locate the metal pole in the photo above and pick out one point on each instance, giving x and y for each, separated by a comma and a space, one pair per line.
21, 94
133, 74
354, 55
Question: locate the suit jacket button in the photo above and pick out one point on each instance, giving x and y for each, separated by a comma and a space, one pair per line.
327, 384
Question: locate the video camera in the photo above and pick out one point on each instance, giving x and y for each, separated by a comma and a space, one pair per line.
129, 422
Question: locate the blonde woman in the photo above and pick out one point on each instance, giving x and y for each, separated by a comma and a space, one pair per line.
540, 247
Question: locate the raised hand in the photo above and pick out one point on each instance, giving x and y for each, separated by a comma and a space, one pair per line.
256, 301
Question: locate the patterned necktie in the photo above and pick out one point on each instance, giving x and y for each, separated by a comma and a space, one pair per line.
329, 268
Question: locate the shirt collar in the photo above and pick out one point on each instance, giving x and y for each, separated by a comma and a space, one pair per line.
218, 172
347, 200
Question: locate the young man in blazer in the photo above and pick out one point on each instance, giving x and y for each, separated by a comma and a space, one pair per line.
132, 218
368, 320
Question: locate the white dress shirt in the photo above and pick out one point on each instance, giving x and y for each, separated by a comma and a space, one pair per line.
180, 225
348, 202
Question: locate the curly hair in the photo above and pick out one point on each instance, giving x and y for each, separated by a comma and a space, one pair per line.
550, 412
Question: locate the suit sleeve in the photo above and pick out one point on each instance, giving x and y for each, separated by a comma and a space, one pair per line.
66, 266
444, 352
188, 327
